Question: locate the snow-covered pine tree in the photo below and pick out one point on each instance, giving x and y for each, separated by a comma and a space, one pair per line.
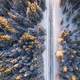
21, 39
69, 41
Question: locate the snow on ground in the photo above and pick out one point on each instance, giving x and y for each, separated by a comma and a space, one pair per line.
50, 62
56, 32
45, 23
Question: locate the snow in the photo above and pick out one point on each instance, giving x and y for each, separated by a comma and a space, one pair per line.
56, 30
46, 56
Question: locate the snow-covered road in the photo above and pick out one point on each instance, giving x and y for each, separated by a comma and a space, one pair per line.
56, 32
51, 24
45, 24
46, 54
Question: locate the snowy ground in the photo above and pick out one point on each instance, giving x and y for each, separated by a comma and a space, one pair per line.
53, 11
56, 30
46, 56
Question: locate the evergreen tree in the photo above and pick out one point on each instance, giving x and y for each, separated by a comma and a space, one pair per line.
69, 54
21, 39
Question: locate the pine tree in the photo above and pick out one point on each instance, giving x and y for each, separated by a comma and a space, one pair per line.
69, 56
21, 39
